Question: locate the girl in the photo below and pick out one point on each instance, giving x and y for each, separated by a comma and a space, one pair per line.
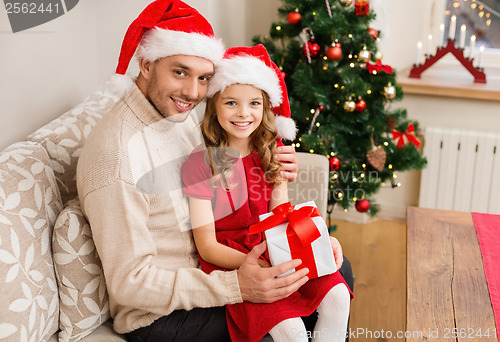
234, 179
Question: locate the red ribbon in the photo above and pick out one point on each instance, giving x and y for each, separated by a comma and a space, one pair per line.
301, 232
378, 67
409, 134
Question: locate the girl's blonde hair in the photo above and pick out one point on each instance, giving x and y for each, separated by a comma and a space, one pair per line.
216, 141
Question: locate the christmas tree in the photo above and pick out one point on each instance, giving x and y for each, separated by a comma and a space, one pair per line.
341, 94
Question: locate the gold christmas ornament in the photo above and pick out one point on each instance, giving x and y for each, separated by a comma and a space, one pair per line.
350, 106
389, 91
365, 55
345, 3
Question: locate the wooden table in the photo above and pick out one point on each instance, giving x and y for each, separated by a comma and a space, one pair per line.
447, 294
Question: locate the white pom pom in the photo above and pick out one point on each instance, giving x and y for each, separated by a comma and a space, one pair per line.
286, 128
119, 85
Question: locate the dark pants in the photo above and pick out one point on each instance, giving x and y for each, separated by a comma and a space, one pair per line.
206, 325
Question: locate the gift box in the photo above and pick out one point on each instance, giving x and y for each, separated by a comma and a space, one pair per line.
298, 232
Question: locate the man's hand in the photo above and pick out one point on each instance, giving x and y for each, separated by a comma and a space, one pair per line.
261, 285
337, 252
286, 156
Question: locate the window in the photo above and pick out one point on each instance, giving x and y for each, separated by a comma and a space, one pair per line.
481, 19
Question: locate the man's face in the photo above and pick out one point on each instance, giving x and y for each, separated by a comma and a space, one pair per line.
177, 84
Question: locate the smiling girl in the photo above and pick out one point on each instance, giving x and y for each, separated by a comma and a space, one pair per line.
235, 178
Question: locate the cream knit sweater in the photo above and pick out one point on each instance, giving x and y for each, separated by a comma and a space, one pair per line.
129, 185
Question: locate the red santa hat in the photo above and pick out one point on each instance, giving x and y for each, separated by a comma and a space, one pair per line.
165, 28
252, 65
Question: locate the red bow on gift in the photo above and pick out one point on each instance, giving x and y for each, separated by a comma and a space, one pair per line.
409, 134
301, 232
378, 67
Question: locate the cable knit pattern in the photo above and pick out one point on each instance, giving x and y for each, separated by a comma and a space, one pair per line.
129, 184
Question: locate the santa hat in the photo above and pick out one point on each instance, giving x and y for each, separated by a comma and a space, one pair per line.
252, 65
165, 28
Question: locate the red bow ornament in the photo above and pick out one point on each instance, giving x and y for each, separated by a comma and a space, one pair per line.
378, 67
403, 137
294, 240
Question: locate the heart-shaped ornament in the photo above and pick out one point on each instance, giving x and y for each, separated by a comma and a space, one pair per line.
377, 158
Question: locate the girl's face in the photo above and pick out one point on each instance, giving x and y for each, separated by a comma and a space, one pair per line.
239, 112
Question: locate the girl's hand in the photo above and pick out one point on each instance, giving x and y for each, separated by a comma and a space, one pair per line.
286, 156
337, 252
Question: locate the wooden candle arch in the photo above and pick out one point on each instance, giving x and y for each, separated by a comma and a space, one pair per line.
478, 73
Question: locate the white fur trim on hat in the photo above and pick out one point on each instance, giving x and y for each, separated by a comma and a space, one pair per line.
120, 85
246, 70
286, 128
158, 43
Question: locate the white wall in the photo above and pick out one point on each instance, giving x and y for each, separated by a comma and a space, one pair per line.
50, 68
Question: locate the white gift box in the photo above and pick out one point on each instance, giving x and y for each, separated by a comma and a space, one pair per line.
279, 248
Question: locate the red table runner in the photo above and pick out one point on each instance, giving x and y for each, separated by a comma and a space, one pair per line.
488, 233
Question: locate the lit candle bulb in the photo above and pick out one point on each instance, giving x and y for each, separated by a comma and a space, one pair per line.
480, 60
461, 44
441, 35
453, 26
472, 46
429, 45
419, 53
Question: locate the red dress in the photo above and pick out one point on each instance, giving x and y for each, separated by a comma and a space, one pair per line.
234, 211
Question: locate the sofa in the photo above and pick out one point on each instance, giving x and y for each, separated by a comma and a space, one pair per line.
53, 287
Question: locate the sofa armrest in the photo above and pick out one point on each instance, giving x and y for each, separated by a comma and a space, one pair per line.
312, 181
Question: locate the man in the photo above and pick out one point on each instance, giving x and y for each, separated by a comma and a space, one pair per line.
128, 180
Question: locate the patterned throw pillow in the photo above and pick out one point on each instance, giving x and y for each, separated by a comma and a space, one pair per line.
29, 204
64, 137
84, 301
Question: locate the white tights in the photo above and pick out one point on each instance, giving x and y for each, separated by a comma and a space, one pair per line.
333, 313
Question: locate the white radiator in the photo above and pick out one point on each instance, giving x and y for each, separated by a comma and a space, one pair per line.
463, 171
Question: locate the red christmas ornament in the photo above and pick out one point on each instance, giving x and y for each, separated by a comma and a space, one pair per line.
334, 52
361, 7
360, 105
283, 74
334, 163
294, 18
373, 33
362, 206
314, 48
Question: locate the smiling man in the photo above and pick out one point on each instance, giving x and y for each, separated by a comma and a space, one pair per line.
128, 180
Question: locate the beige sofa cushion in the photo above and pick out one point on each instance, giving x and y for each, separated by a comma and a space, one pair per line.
29, 204
64, 137
84, 301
